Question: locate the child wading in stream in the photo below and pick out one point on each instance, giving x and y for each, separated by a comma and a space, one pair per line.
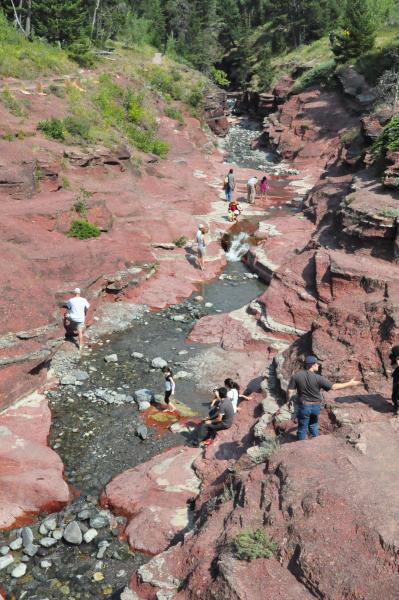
170, 387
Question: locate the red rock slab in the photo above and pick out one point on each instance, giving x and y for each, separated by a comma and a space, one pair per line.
290, 301
341, 502
176, 279
225, 331
154, 497
280, 237
261, 579
31, 474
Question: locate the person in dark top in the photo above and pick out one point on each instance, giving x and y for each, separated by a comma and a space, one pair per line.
394, 356
307, 384
222, 420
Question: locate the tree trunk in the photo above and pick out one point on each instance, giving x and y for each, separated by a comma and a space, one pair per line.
16, 17
94, 18
28, 21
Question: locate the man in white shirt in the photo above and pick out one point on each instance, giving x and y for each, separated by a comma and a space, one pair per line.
251, 189
77, 308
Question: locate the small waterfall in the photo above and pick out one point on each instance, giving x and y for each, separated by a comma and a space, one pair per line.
239, 246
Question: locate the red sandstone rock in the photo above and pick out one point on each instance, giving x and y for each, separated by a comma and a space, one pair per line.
31, 475
154, 496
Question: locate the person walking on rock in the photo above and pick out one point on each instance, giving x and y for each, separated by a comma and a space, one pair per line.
394, 356
264, 184
170, 387
222, 420
229, 185
201, 244
308, 385
75, 316
251, 189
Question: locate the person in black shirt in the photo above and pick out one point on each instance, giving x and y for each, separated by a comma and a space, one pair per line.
394, 356
216, 422
308, 385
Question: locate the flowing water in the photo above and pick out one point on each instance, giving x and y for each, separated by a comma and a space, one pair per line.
94, 428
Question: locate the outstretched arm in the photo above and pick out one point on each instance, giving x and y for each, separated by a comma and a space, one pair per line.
341, 386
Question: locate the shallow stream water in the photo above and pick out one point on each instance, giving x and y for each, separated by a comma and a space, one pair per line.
97, 438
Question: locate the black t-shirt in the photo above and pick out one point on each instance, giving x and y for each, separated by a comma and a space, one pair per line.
227, 411
395, 384
308, 386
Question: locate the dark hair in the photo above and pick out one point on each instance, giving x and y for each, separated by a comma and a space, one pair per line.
229, 383
231, 171
167, 370
394, 354
222, 392
264, 178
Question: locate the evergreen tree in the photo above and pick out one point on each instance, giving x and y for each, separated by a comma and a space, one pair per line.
358, 31
59, 21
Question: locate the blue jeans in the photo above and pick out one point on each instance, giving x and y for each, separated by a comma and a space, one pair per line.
308, 418
229, 195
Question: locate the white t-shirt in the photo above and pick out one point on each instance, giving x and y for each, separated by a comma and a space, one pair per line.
76, 309
233, 395
200, 239
252, 181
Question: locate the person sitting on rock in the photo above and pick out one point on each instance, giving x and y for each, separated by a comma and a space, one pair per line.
394, 356
308, 385
75, 317
233, 392
234, 211
170, 387
221, 419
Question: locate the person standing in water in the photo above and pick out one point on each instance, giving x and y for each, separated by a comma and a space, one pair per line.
264, 184
170, 387
201, 245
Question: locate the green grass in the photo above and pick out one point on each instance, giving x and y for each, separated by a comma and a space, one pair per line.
174, 113
23, 59
321, 73
12, 104
83, 230
251, 545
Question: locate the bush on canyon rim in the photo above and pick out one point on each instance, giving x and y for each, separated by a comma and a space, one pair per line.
388, 139
83, 230
253, 544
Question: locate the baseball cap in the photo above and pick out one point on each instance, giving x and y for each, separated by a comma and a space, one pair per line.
77, 290
312, 360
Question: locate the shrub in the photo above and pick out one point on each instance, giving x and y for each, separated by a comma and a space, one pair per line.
220, 77
387, 140
145, 141
66, 184
174, 113
83, 230
81, 52
251, 545
180, 242
196, 97
53, 128
351, 134
389, 213
165, 83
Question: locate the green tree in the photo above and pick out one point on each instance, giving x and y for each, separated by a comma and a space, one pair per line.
59, 21
358, 31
